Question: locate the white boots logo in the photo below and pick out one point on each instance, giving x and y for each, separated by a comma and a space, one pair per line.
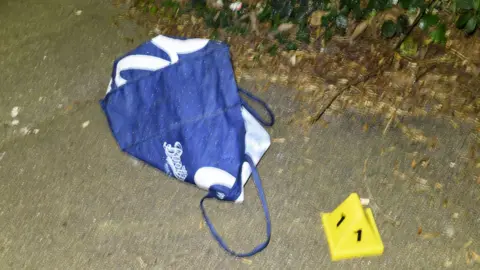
174, 162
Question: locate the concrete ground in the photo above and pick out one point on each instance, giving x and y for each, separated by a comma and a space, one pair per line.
69, 199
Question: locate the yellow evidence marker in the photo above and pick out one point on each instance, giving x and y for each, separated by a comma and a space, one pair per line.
351, 231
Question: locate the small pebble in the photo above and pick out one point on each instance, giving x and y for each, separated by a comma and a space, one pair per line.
24, 130
452, 164
422, 181
365, 201
455, 215
15, 111
135, 162
15, 122
78, 12
449, 231
85, 124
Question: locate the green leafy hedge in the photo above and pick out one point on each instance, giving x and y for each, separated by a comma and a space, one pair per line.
337, 16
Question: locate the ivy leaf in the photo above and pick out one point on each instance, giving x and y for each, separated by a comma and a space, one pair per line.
329, 18
428, 20
464, 4
418, 4
389, 29
463, 19
438, 35
350, 4
380, 4
301, 14
405, 4
319, 4
283, 8
471, 25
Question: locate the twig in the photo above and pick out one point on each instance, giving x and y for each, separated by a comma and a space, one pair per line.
254, 22
417, 20
389, 123
320, 113
370, 75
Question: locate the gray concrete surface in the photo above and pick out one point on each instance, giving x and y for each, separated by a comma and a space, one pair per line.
69, 199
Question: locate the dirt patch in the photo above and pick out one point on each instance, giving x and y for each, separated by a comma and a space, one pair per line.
437, 82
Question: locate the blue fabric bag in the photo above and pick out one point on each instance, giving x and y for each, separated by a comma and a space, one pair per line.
174, 104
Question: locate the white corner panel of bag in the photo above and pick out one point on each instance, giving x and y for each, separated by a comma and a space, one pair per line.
257, 141
172, 47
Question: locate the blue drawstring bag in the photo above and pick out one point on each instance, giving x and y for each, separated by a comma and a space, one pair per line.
174, 104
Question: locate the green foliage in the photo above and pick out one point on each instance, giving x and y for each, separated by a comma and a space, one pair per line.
389, 29
469, 19
339, 16
428, 20
438, 35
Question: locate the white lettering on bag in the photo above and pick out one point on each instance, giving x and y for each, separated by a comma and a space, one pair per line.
174, 161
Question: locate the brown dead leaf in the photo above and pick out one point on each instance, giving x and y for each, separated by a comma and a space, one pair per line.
414, 164
390, 14
285, 27
424, 162
472, 257
419, 231
475, 257
438, 186
365, 127
359, 30
478, 179
68, 108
